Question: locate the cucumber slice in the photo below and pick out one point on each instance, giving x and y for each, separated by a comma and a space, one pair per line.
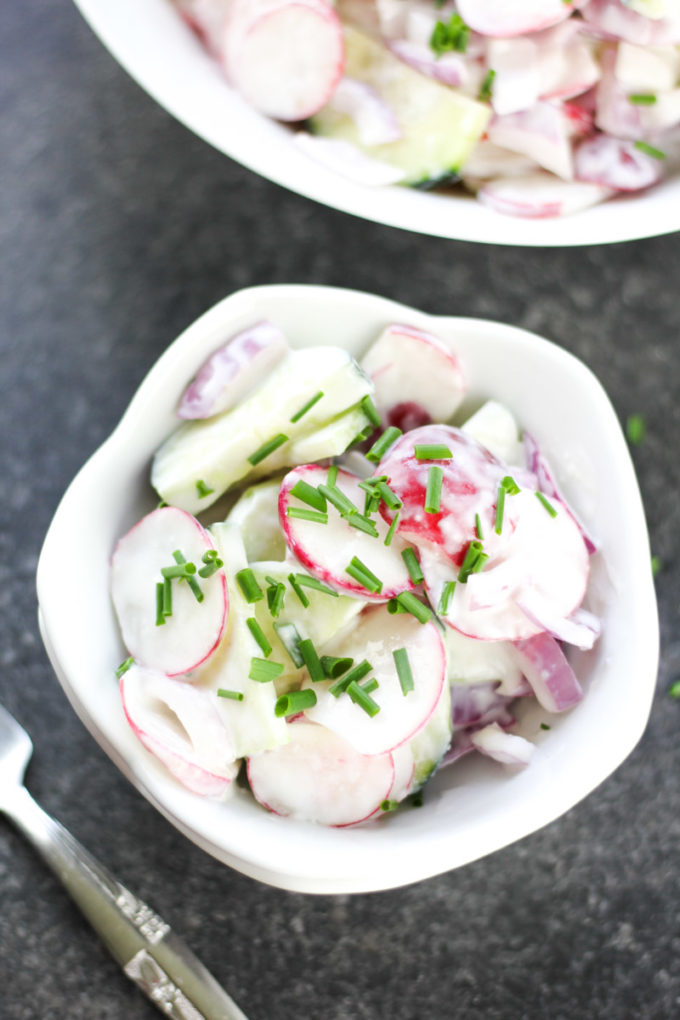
439, 125
430, 745
256, 515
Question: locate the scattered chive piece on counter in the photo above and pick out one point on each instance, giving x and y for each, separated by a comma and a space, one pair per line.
287, 634
354, 675
292, 581
299, 512
263, 671
414, 606
361, 573
500, 509
546, 503
332, 475
312, 661
433, 495
259, 635
486, 89
400, 656
674, 689
432, 451
160, 615
124, 667
657, 565
382, 445
412, 565
307, 407
446, 596
190, 570
636, 429
362, 699
203, 489
222, 692
276, 594
544, 726
248, 584
307, 581
334, 667
371, 411
392, 528
294, 702
473, 561
642, 98
309, 495
267, 449
510, 485
650, 150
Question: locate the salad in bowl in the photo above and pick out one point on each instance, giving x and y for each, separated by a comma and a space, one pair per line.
369, 596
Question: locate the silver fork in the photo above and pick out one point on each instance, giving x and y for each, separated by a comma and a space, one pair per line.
148, 951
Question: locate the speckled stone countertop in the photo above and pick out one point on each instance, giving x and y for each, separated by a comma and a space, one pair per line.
117, 228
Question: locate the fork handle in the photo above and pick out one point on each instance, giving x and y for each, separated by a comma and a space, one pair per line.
151, 955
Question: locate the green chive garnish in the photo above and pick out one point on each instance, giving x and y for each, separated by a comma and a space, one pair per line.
294, 702
382, 445
160, 615
389, 498
307, 581
400, 656
478, 527
263, 671
414, 606
292, 581
190, 570
473, 561
310, 495
650, 150
674, 689
248, 584
361, 573
311, 660
642, 98
417, 799
657, 564
393, 607
203, 489
362, 699
167, 597
354, 675
338, 498
301, 514
389, 805
180, 571
124, 667
362, 436
287, 634
307, 407
362, 523
222, 692
332, 475
449, 35
267, 449
412, 565
547, 504
370, 685
446, 596
636, 429
510, 485
334, 667
276, 594
259, 635
392, 528
432, 451
212, 564
500, 509
486, 89
433, 495
371, 411
544, 726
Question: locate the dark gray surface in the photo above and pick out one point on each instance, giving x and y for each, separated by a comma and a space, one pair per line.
117, 227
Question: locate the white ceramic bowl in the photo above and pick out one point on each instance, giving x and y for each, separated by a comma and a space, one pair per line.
152, 43
473, 807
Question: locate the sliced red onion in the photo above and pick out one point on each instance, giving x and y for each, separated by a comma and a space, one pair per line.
538, 465
450, 68
375, 120
507, 748
617, 163
479, 704
581, 629
461, 744
612, 19
545, 666
349, 161
541, 133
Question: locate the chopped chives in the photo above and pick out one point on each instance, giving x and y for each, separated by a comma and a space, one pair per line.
382, 445
309, 494
433, 495
338, 498
642, 98
473, 561
500, 509
486, 89
432, 451
248, 584
389, 805
332, 475
362, 699
276, 594
180, 571
124, 667
478, 527
362, 523
160, 615
307, 407
287, 634
334, 667
311, 660
414, 606
222, 692
212, 565
417, 799
657, 564
393, 607
544, 726
294, 702
292, 581
370, 685
400, 656
263, 671
635, 429
203, 489
371, 411
446, 596
412, 565
356, 674
190, 569
392, 528
307, 581
510, 485
267, 449
361, 573
259, 635
674, 689
547, 504
389, 498
299, 513
363, 435
167, 597
650, 150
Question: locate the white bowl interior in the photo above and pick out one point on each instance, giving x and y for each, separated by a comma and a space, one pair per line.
475, 806
152, 43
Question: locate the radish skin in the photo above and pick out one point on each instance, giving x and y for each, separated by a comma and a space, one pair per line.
552, 679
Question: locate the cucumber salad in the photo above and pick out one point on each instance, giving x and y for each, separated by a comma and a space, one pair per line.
539, 107
340, 592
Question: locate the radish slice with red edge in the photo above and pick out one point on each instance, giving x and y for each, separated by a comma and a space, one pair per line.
327, 549
545, 666
400, 716
547, 483
540, 195
616, 163
180, 725
500, 18
404, 772
318, 777
194, 630
507, 748
581, 629
233, 370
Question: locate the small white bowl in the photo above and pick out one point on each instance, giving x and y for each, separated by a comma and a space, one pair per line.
473, 807
152, 43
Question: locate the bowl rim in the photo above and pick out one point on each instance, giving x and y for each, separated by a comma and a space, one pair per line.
443, 854
265, 148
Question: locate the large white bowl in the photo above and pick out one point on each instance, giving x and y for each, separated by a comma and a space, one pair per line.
152, 43
474, 807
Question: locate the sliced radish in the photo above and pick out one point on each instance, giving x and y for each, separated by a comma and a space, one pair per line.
284, 56
506, 748
410, 366
616, 163
547, 483
401, 716
181, 726
327, 549
193, 631
545, 666
615, 20
540, 132
567, 61
581, 629
487, 161
404, 771
500, 18
517, 81
374, 118
233, 370
318, 777
540, 196
349, 161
